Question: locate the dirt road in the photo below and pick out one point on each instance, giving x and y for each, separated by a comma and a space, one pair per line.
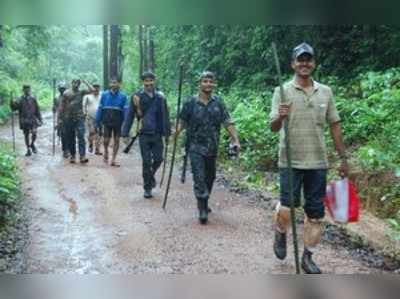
94, 219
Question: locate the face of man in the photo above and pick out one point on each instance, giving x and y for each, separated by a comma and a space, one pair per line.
114, 85
26, 91
76, 84
207, 85
148, 84
96, 90
304, 65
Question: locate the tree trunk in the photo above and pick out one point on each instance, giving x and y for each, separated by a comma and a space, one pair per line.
151, 51
145, 50
120, 57
141, 64
115, 35
1, 36
105, 57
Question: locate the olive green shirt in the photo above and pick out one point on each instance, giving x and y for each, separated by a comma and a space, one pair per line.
307, 119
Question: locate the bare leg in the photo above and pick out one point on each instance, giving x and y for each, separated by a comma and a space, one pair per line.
106, 144
115, 151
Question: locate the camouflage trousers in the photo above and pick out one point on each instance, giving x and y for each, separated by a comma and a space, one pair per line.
204, 172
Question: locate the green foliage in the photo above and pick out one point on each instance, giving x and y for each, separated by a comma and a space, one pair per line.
37, 54
394, 227
250, 111
9, 184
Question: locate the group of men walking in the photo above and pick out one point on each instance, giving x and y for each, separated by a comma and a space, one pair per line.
111, 115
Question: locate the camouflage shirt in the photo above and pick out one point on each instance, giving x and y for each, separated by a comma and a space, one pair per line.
29, 112
203, 124
72, 105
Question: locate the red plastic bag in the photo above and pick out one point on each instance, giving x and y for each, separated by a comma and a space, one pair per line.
342, 201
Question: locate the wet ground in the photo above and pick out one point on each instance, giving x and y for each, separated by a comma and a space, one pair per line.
94, 219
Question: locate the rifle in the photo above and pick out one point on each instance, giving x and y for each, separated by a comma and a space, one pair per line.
289, 162
12, 121
130, 144
175, 136
54, 118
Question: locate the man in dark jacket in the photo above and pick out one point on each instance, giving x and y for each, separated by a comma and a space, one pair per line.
150, 107
29, 117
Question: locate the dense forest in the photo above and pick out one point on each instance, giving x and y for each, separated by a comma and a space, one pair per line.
360, 63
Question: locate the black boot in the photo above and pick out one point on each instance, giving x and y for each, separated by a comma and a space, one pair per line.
203, 211
33, 147
28, 153
280, 244
147, 194
308, 264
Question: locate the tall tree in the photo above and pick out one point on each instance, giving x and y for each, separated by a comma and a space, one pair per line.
115, 37
145, 48
152, 64
1, 36
141, 64
105, 56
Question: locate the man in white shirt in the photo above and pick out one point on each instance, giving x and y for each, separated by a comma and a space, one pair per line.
90, 105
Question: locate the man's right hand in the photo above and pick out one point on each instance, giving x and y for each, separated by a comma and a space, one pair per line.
284, 110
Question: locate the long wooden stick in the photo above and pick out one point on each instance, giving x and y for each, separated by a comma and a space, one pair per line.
289, 163
175, 136
54, 118
12, 121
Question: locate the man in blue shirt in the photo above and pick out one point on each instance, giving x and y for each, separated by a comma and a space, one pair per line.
150, 107
110, 114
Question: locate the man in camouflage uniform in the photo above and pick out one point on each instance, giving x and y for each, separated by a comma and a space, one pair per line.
310, 107
71, 111
150, 106
202, 117
29, 118
59, 121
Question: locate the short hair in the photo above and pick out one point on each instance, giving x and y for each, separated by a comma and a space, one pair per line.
115, 79
148, 75
207, 74
26, 86
96, 85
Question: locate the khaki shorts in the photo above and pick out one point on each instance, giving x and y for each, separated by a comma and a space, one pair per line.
92, 126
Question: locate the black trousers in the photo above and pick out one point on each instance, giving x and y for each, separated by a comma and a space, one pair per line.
151, 149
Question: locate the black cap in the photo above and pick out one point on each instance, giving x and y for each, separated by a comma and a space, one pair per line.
62, 85
207, 74
148, 75
303, 48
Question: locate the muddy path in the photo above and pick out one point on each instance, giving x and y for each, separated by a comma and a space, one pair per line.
94, 219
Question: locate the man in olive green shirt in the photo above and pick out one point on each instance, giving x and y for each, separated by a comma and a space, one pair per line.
309, 108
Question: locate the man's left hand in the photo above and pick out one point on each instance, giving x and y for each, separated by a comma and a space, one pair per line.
344, 169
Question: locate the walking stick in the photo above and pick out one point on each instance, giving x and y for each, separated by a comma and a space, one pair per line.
289, 162
54, 118
175, 135
165, 160
12, 121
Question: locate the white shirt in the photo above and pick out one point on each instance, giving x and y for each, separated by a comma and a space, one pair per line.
90, 105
